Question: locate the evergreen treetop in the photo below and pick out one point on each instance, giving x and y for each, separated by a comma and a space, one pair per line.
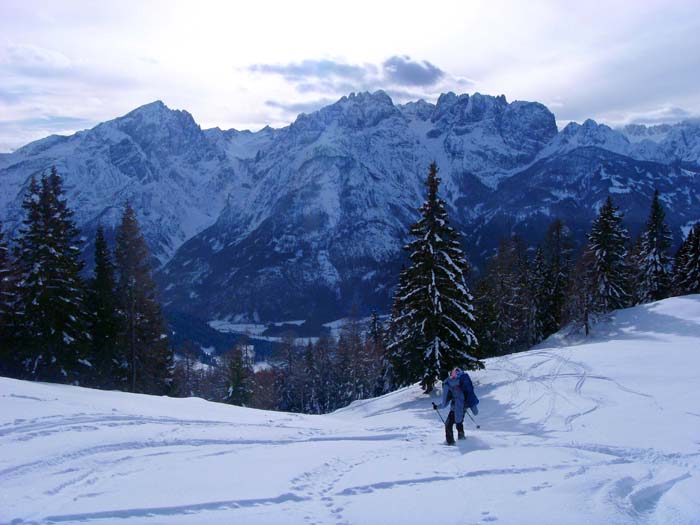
652, 258
607, 243
435, 319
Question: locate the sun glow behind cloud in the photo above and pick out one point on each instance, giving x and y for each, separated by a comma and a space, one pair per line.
69, 65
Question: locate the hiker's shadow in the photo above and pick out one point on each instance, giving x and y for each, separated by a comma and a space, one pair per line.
494, 416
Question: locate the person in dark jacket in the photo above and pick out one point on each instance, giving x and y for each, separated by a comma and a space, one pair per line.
458, 391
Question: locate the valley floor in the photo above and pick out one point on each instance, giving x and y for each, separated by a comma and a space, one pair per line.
605, 430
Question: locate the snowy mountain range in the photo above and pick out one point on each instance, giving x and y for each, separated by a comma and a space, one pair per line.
573, 432
308, 221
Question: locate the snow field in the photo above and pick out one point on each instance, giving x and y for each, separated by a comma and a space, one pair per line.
603, 430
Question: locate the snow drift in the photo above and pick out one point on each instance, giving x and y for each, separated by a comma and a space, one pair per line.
601, 430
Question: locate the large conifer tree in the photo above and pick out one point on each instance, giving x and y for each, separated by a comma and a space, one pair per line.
51, 311
607, 244
143, 334
654, 280
435, 320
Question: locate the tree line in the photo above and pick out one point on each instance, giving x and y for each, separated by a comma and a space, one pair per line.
525, 295
107, 330
316, 378
104, 331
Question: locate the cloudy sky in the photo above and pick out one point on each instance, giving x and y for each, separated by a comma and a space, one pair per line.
68, 65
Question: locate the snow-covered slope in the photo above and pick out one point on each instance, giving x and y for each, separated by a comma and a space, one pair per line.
603, 430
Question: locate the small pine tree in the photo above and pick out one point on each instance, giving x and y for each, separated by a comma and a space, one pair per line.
149, 357
5, 278
378, 367
326, 374
7, 364
312, 380
653, 260
607, 244
679, 261
690, 269
537, 299
238, 376
502, 299
186, 377
109, 362
376, 330
558, 253
50, 306
436, 320
352, 379
581, 305
289, 376
402, 364
486, 327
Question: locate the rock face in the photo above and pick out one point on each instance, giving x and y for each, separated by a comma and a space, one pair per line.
308, 221
173, 173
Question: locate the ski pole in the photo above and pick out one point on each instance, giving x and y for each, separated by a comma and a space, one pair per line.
438, 413
473, 421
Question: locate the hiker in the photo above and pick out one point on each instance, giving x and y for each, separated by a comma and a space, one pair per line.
458, 391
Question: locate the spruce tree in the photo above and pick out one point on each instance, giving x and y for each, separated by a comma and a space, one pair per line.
376, 330
435, 323
402, 365
289, 377
537, 299
633, 263
679, 262
325, 374
5, 277
654, 280
607, 244
558, 254
581, 304
143, 334
7, 364
238, 376
690, 279
312, 380
487, 323
378, 368
108, 360
502, 299
352, 382
50, 305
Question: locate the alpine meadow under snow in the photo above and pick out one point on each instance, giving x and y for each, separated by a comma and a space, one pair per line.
595, 430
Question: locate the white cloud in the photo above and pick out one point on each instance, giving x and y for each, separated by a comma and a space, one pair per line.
224, 61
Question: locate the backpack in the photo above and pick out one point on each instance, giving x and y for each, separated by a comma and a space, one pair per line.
465, 382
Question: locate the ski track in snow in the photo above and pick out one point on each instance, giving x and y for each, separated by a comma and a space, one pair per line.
567, 427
